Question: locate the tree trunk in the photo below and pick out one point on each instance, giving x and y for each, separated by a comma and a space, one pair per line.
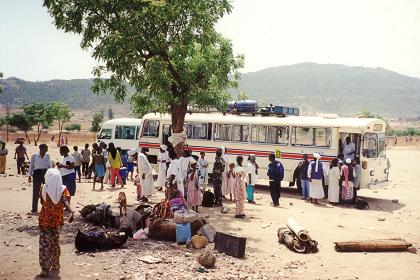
59, 134
39, 131
27, 137
178, 112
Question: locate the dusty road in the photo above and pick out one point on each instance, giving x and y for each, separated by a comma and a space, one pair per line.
265, 258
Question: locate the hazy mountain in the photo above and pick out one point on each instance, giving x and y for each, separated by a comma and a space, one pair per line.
333, 88
314, 88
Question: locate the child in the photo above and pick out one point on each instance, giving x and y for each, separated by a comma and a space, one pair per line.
54, 197
78, 159
202, 169
194, 193
137, 184
99, 166
66, 167
230, 185
175, 197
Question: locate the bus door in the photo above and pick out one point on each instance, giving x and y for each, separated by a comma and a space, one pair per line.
355, 138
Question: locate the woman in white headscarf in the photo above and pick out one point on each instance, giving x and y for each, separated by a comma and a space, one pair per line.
315, 174
54, 197
163, 160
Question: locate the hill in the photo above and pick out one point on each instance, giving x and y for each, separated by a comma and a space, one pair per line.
333, 88
314, 88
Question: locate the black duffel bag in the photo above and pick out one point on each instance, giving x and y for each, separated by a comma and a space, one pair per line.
99, 240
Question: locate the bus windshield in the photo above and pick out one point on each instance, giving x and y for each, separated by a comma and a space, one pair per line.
370, 145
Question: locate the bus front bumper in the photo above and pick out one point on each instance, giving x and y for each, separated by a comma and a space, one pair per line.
378, 184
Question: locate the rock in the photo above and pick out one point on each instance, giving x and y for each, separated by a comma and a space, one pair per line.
381, 219
224, 210
23, 189
395, 200
291, 203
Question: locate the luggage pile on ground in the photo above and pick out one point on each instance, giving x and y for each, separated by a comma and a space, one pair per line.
296, 238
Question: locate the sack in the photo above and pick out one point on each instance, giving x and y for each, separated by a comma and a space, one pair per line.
208, 199
361, 204
97, 240
199, 241
209, 232
185, 216
250, 193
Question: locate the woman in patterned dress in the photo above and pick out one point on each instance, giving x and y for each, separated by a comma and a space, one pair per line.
54, 197
240, 183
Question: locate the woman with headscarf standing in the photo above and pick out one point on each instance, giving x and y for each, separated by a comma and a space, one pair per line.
115, 163
66, 167
333, 182
54, 197
315, 173
347, 177
163, 159
240, 183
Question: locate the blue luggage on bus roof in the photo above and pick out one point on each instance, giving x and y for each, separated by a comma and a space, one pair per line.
243, 106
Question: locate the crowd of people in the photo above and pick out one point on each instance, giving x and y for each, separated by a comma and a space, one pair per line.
184, 179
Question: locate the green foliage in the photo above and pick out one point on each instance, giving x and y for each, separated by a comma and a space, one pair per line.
97, 119
38, 114
73, 126
59, 111
410, 131
20, 120
242, 96
168, 51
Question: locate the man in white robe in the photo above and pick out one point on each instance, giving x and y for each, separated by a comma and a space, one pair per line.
315, 174
163, 159
175, 169
146, 175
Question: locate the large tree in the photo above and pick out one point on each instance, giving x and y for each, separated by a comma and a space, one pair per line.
167, 50
22, 121
61, 113
39, 116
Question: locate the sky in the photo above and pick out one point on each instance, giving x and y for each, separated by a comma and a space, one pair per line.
371, 33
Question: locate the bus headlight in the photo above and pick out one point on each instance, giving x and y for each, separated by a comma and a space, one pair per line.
372, 173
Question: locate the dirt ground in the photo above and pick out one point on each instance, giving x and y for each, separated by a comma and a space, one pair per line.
265, 257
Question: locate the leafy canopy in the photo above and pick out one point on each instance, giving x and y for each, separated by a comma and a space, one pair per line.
98, 117
168, 50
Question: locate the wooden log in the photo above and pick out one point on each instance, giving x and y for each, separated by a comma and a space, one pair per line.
298, 230
378, 245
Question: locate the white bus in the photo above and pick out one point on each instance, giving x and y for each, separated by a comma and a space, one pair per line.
123, 132
288, 137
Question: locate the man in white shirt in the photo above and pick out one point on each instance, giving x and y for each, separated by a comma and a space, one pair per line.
39, 164
349, 149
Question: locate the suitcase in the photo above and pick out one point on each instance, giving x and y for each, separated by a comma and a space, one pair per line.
230, 245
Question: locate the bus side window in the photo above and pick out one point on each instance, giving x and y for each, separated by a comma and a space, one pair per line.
150, 128
302, 136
